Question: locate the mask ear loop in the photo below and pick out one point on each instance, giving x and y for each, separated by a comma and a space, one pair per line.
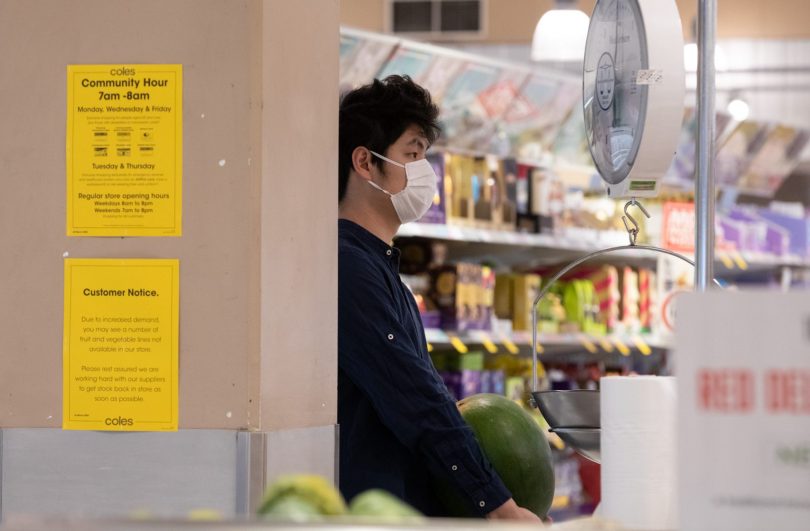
377, 186
386, 159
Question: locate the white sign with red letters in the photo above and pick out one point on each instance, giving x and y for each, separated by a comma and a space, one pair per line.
742, 361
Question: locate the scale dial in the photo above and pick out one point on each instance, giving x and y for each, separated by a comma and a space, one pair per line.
630, 68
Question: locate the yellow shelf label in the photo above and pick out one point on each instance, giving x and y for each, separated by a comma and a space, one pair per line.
429, 347
588, 344
458, 344
490, 347
727, 261
740, 261
642, 346
510, 345
622, 347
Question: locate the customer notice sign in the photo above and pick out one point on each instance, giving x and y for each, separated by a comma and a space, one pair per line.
124, 150
120, 345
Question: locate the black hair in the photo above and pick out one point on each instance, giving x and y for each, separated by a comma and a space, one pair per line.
376, 115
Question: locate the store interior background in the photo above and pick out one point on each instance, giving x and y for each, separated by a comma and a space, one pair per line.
763, 59
258, 349
766, 45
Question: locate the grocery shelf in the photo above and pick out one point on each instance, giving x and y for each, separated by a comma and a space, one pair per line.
572, 239
513, 248
559, 347
510, 248
747, 261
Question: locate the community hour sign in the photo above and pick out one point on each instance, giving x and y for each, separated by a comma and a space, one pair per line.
124, 150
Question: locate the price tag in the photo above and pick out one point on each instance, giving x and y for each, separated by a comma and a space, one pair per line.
490, 347
588, 344
740, 261
429, 347
458, 344
510, 345
649, 77
622, 347
606, 346
726, 260
643, 347
540, 348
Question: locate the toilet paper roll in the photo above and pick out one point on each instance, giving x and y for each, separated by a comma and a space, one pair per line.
639, 450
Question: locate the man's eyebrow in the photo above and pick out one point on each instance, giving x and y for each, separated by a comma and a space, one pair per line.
422, 142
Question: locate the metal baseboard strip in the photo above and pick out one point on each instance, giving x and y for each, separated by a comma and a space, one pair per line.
251, 474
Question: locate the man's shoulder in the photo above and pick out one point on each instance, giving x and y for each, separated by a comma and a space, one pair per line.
356, 258
351, 250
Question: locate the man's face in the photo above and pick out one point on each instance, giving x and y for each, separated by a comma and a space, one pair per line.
410, 146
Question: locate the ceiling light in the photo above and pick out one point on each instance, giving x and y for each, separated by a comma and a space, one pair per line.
738, 109
560, 34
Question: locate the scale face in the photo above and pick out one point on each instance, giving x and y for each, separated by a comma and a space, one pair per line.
633, 86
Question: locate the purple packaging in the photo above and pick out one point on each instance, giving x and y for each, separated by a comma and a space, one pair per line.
444, 293
761, 235
436, 213
777, 240
734, 232
486, 381
431, 319
470, 383
498, 382
798, 230
464, 320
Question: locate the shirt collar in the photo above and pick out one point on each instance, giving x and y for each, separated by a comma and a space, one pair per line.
367, 238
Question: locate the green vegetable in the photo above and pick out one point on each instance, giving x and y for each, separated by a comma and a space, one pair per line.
382, 505
302, 497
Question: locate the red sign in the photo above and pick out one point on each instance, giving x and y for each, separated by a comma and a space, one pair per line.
678, 230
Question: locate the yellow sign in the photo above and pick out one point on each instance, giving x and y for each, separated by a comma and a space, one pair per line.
120, 345
124, 150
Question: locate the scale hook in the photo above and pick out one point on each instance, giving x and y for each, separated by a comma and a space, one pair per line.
633, 232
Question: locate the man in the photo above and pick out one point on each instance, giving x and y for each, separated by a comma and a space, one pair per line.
398, 423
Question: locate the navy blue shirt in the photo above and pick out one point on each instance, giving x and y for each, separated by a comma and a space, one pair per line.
398, 423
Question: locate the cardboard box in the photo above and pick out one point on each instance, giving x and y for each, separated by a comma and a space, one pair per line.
526, 288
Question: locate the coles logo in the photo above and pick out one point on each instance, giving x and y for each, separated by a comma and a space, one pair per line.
118, 421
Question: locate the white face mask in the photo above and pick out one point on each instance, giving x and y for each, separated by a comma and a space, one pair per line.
420, 189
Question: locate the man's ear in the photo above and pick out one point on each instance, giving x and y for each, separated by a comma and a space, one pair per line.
361, 162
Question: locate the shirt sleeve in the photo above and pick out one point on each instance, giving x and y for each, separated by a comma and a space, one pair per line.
377, 354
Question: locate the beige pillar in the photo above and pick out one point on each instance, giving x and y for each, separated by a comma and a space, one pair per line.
258, 313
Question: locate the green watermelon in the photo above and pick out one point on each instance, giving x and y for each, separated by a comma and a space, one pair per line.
517, 448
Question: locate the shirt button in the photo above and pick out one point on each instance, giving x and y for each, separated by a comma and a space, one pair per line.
390, 337
388, 252
481, 504
454, 468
